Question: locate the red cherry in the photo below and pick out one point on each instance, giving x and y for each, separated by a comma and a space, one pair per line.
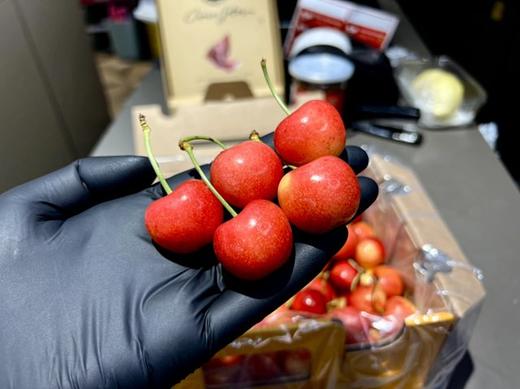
222, 370
261, 367
370, 252
370, 299
254, 243
321, 285
341, 275
312, 131
356, 326
321, 195
186, 219
362, 230
248, 171
295, 363
309, 300
348, 250
399, 307
390, 280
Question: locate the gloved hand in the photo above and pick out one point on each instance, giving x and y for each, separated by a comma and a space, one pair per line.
87, 301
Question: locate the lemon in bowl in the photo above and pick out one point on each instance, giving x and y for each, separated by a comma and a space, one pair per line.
438, 92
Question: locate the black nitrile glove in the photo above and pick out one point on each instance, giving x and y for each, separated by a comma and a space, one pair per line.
87, 301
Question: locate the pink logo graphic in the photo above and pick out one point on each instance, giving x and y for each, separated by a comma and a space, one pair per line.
219, 55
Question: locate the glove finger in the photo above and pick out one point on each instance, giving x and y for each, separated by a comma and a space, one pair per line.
356, 157
84, 183
242, 305
369, 193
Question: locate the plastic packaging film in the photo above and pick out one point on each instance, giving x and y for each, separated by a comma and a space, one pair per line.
296, 350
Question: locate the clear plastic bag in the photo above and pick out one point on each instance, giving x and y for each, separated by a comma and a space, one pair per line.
291, 349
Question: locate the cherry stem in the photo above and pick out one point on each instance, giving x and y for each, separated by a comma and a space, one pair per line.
255, 136
355, 282
147, 144
188, 148
356, 266
200, 137
271, 88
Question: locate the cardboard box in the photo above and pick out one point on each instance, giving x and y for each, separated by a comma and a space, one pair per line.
211, 50
432, 343
322, 341
405, 219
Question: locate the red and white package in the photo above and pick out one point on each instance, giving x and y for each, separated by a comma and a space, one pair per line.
370, 26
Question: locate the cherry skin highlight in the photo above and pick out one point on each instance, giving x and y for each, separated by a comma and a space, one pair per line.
309, 300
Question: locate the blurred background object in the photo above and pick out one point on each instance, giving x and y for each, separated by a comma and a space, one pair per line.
67, 67
51, 101
313, 64
483, 37
119, 78
444, 92
123, 31
124, 37
480, 37
222, 43
146, 12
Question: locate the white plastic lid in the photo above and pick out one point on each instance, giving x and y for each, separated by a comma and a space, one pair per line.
321, 36
321, 68
146, 11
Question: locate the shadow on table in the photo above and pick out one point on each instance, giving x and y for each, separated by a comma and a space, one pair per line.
462, 372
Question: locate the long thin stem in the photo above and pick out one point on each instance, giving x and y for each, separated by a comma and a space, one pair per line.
271, 88
147, 144
200, 137
186, 146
